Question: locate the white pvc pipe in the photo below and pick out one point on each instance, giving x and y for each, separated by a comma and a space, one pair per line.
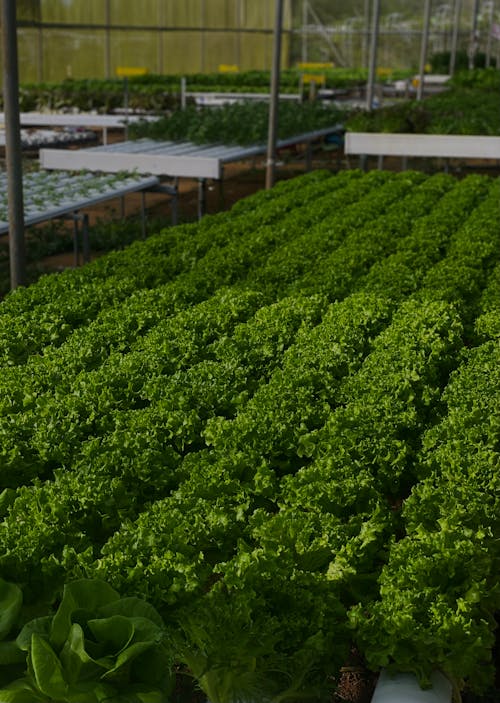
404, 688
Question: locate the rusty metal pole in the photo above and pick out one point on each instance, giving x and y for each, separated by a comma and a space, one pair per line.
13, 145
274, 98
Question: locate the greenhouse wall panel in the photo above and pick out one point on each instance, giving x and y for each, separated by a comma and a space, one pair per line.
162, 36
256, 51
133, 13
28, 50
220, 49
181, 52
219, 13
134, 49
74, 11
183, 13
73, 54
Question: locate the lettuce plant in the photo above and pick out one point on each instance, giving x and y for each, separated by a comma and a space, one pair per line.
96, 647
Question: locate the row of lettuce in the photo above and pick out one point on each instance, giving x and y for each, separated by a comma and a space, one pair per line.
467, 106
277, 429
154, 92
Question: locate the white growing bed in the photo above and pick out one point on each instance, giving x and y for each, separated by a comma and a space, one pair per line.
422, 145
48, 195
82, 119
51, 195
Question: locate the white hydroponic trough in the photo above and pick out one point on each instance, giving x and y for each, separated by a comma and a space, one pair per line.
452, 146
404, 688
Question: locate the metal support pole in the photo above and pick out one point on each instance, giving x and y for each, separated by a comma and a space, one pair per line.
143, 214
274, 97
473, 45
76, 244
239, 26
304, 30
183, 93
85, 238
366, 35
373, 55
13, 145
423, 49
107, 48
125, 104
202, 197
175, 203
222, 201
203, 24
491, 15
309, 156
454, 39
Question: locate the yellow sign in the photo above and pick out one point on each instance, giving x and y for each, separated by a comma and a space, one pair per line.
130, 71
313, 66
228, 68
318, 78
384, 72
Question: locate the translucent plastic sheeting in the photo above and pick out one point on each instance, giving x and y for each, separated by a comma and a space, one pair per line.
175, 57
28, 48
75, 11
73, 53
162, 36
132, 13
134, 48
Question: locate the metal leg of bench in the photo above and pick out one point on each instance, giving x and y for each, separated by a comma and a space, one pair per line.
85, 238
202, 197
380, 162
308, 156
143, 214
175, 203
221, 189
76, 232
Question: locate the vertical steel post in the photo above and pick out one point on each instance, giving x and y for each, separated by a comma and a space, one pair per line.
491, 9
304, 30
274, 98
239, 25
454, 40
107, 49
203, 24
473, 44
13, 145
366, 35
423, 49
372, 67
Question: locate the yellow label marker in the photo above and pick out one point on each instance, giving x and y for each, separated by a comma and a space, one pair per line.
131, 71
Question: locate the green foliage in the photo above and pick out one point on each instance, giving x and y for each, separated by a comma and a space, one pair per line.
469, 106
242, 123
279, 427
96, 646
